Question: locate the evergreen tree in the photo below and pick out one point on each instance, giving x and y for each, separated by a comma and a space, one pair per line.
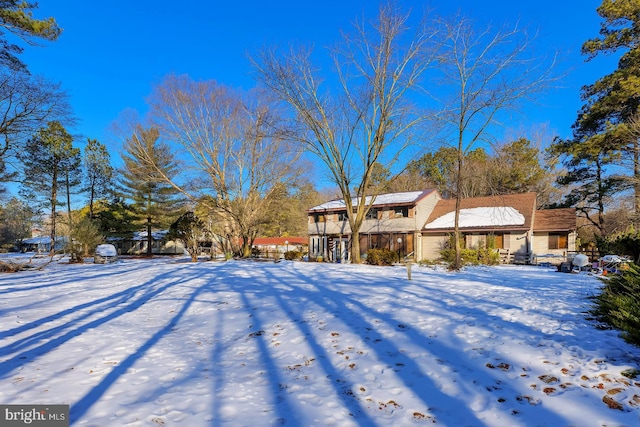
289, 217
16, 16
98, 173
48, 162
611, 103
115, 217
72, 176
586, 177
4, 175
148, 163
440, 169
16, 220
190, 230
84, 236
517, 169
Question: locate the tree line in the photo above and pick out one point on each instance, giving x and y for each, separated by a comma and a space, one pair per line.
237, 163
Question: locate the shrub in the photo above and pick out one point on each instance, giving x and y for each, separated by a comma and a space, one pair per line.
84, 237
472, 256
381, 256
618, 305
627, 243
292, 255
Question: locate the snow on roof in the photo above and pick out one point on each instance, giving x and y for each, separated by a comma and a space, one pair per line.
382, 199
43, 240
155, 235
494, 216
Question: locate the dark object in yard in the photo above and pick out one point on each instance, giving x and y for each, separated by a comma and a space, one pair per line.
565, 267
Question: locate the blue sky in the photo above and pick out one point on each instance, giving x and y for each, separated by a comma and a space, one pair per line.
111, 53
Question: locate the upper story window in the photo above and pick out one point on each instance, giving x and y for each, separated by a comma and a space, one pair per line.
319, 217
401, 212
372, 214
342, 216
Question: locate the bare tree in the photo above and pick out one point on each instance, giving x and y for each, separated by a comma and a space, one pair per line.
27, 103
487, 72
371, 119
234, 160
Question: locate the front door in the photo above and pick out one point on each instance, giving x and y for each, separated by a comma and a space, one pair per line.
341, 250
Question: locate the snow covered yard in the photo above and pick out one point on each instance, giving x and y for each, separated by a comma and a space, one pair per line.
166, 342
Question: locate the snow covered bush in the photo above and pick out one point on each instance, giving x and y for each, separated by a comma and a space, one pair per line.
618, 305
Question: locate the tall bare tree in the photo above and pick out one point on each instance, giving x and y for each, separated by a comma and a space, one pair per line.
370, 120
27, 103
486, 73
234, 158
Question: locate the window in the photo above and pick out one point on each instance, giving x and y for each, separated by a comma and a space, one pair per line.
558, 241
342, 216
401, 212
372, 214
319, 218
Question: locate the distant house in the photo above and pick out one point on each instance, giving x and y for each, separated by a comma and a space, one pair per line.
137, 242
419, 225
42, 244
275, 247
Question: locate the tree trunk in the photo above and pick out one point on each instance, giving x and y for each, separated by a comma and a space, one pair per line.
636, 180
149, 237
456, 224
355, 247
68, 189
54, 198
91, 198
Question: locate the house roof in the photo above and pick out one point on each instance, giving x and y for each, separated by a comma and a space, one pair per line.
555, 220
389, 199
504, 212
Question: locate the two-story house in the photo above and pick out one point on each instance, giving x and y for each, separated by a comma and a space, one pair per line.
394, 221
419, 224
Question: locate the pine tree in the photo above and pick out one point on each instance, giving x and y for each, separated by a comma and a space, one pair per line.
98, 173
611, 103
49, 163
517, 168
591, 187
145, 185
191, 231
16, 16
